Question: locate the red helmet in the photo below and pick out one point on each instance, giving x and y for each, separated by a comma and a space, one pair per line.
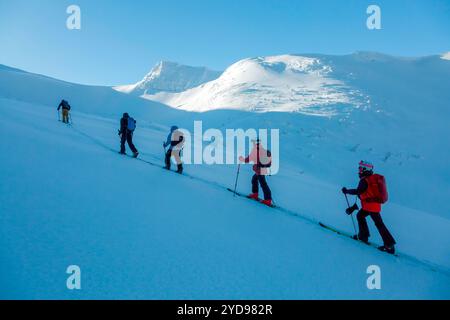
365, 166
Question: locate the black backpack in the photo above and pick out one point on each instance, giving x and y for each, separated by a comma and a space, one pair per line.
65, 105
264, 165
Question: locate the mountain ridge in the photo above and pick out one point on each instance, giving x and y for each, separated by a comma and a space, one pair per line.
316, 84
169, 76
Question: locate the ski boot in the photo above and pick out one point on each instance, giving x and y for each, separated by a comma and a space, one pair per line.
387, 249
267, 203
180, 169
135, 154
122, 153
253, 196
365, 241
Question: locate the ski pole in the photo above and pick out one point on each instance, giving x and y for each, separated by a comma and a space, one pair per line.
165, 155
353, 220
59, 115
346, 198
237, 177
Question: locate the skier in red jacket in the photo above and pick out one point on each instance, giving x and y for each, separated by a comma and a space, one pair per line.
372, 193
262, 160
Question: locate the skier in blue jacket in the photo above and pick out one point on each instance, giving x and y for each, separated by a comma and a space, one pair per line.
175, 142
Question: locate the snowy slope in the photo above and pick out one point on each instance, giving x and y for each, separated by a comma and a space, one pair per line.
65, 197
170, 77
81, 203
104, 101
390, 110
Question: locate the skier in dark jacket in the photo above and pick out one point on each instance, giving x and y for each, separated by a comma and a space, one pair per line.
366, 190
127, 126
65, 106
175, 142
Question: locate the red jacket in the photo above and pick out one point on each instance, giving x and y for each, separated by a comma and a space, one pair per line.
367, 196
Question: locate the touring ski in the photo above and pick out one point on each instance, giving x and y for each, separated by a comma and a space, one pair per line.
247, 197
347, 235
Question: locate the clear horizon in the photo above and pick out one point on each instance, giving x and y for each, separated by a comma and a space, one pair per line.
156, 63
123, 41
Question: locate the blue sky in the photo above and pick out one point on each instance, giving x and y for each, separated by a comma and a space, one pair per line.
121, 40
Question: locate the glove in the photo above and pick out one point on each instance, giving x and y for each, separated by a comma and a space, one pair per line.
118, 132
352, 209
241, 159
344, 190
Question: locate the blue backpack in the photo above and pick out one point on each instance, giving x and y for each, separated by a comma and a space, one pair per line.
131, 126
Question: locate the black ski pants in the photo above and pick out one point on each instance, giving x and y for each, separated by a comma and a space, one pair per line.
127, 136
177, 155
261, 180
364, 233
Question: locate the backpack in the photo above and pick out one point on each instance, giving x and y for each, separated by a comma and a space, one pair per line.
131, 126
378, 189
65, 105
266, 162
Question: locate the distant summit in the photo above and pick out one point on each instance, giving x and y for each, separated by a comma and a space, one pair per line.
170, 77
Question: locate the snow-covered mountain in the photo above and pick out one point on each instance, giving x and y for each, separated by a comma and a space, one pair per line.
170, 77
310, 84
278, 83
446, 56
